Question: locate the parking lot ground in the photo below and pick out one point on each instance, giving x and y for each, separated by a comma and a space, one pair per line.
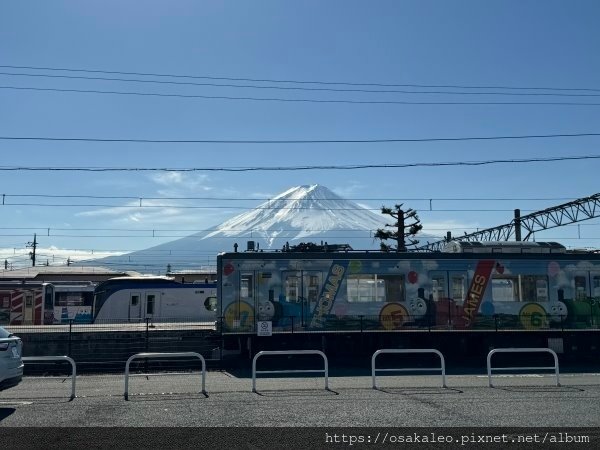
409, 400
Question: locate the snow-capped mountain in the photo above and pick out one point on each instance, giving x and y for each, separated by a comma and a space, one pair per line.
298, 213
301, 214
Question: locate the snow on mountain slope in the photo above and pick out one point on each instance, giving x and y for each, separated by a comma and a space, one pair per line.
301, 214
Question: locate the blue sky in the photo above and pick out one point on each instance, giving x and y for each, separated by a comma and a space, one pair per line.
468, 43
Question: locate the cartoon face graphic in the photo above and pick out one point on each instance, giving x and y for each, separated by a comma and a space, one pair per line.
266, 310
417, 308
557, 312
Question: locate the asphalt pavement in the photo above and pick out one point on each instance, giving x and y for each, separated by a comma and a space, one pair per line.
174, 400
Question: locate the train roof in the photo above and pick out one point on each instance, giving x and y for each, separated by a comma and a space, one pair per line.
503, 247
454, 250
147, 282
143, 278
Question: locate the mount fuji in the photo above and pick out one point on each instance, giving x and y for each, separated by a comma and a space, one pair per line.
301, 214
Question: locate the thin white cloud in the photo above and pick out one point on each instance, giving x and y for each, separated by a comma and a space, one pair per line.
53, 255
168, 178
178, 184
349, 190
153, 213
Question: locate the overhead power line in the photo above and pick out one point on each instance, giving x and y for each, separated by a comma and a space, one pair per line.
298, 141
353, 234
208, 230
142, 197
299, 88
317, 82
246, 208
297, 168
295, 100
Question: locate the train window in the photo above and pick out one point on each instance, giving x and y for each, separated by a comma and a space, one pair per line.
49, 297
6, 302
246, 286
541, 288
596, 286
394, 287
457, 286
135, 299
150, 303
313, 280
534, 288
438, 287
505, 289
313, 285
366, 288
292, 288
520, 288
211, 303
73, 298
580, 288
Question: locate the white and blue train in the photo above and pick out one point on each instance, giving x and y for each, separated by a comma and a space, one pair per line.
134, 299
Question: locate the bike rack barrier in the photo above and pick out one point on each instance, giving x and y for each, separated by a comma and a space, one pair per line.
521, 350
57, 358
397, 350
290, 352
163, 355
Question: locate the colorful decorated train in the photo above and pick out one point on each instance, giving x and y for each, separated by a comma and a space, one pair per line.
40, 303
516, 285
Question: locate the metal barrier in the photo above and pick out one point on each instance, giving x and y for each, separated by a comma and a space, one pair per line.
57, 358
396, 350
163, 355
521, 350
290, 352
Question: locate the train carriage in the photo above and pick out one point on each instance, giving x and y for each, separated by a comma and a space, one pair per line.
480, 286
157, 298
40, 303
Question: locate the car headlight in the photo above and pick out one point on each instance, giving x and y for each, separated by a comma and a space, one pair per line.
4, 346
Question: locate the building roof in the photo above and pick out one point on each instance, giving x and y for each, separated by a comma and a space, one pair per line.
33, 272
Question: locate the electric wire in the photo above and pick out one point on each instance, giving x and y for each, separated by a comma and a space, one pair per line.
300, 168
294, 100
297, 141
292, 81
296, 88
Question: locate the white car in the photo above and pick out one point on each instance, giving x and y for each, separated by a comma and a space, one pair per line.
11, 365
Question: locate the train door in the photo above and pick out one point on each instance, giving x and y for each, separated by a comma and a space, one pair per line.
238, 306
5, 307
581, 288
135, 306
152, 305
448, 292
595, 298
244, 315
28, 307
583, 311
301, 289
48, 292
295, 303
311, 286
595, 286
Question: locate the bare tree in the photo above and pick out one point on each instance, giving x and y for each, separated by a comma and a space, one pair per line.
402, 232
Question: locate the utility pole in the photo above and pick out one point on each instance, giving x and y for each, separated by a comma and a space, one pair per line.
32, 245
